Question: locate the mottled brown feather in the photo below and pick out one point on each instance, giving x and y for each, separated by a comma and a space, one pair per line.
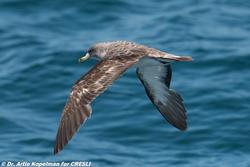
84, 91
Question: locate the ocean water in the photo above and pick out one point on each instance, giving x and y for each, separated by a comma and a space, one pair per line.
41, 41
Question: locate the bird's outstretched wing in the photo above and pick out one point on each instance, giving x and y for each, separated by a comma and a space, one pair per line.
155, 75
84, 91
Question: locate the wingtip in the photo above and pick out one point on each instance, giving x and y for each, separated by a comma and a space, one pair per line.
58, 146
56, 150
183, 127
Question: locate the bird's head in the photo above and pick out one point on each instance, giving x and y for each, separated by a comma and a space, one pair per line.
98, 50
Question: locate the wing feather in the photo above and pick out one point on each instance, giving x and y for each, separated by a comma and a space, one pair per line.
77, 109
156, 75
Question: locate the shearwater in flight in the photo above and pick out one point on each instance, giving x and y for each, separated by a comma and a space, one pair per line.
153, 70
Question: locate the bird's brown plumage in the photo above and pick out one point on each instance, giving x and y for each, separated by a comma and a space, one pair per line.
116, 57
85, 90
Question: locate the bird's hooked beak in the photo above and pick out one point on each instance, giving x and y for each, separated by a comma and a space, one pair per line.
86, 57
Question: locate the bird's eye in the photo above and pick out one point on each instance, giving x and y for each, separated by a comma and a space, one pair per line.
90, 50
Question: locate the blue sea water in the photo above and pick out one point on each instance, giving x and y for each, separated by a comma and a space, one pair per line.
41, 41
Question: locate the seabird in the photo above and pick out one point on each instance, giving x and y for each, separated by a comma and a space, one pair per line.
153, 70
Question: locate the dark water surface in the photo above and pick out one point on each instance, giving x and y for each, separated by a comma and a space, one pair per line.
40, 42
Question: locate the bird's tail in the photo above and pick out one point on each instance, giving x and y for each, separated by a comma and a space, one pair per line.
178, 58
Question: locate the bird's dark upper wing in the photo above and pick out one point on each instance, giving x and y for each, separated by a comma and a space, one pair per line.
84, 91
155, 75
